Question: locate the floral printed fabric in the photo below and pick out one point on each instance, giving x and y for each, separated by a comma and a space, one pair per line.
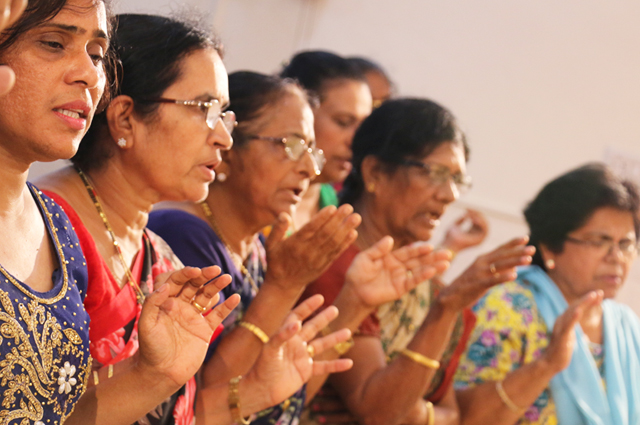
509, 333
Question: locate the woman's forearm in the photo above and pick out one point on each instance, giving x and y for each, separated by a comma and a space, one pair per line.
238, 350
482, 404
387, 392
122, 399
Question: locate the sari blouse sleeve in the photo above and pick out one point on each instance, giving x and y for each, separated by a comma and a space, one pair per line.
507, 335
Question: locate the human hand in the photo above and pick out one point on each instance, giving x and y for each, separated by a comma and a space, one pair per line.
460, 236
285, 364
10, 11
488, 270
379, 275
174, 335
301, 258
557, 356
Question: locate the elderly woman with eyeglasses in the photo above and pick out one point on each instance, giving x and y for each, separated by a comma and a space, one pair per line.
258, 182
409, 165
546, 348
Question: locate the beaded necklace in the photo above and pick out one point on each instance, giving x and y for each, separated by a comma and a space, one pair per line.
233, 255
94, 197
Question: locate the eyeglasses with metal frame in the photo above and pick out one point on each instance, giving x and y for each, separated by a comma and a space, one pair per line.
604, 245
212, 109
295, 147
440, 174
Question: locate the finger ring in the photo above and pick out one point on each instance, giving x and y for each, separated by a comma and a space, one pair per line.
409, 274
311, 351
492, 268
198, 307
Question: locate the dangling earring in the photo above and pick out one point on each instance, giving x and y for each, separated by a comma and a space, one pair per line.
550, 264
221, 177
371, 187
122, 142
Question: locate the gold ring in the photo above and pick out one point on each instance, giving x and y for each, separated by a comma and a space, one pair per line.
198, 307
409, 274
492, 269
311, 350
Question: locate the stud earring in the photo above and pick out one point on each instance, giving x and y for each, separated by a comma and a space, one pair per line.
221, 177
371, 187
550, 264
122, 142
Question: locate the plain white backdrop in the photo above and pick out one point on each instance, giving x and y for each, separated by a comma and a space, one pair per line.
540, 87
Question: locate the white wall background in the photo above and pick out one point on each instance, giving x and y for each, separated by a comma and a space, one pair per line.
540, 87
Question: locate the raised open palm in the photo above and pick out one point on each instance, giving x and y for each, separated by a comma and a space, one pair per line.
379, 274
174, 335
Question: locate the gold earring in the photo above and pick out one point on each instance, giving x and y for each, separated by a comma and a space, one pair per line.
550, 264
371, 187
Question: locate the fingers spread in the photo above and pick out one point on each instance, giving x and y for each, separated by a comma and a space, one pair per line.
332, 366
221, 311
305, 309
319, 322
178, 279
279, 229
379, 249
328, 342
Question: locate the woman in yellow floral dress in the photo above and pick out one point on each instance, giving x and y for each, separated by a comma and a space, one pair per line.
546, 349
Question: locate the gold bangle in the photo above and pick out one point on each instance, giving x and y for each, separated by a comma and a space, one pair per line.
431, 414
421, 359
259, 333
234, 402
96, 378
505, 398
110, 371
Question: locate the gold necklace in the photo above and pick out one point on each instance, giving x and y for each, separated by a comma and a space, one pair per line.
233, 255
94, 197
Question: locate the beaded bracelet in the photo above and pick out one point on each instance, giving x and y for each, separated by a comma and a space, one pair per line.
234, 402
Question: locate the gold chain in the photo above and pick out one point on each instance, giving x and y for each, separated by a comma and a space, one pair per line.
233, 255
94, 197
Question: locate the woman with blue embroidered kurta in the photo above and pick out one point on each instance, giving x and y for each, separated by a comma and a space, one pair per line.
58, 50
546, 349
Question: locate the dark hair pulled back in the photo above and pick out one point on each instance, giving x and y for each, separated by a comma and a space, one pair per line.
252, 94
566, 203
315, 69
397, 130
150, 50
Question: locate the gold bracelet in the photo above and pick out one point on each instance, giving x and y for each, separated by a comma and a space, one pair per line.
421, 359
96, 378
110, 371
234, 402
262, 336
431, 414
505, 398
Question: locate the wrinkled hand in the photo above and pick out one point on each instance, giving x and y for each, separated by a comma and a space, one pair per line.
458, 237
284, 365
10, 11
496, 267
558, 354
379, 275
174, 335
301, 258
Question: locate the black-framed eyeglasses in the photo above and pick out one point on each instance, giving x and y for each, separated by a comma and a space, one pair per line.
604, 246
440, 174
212, 109
295, 147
